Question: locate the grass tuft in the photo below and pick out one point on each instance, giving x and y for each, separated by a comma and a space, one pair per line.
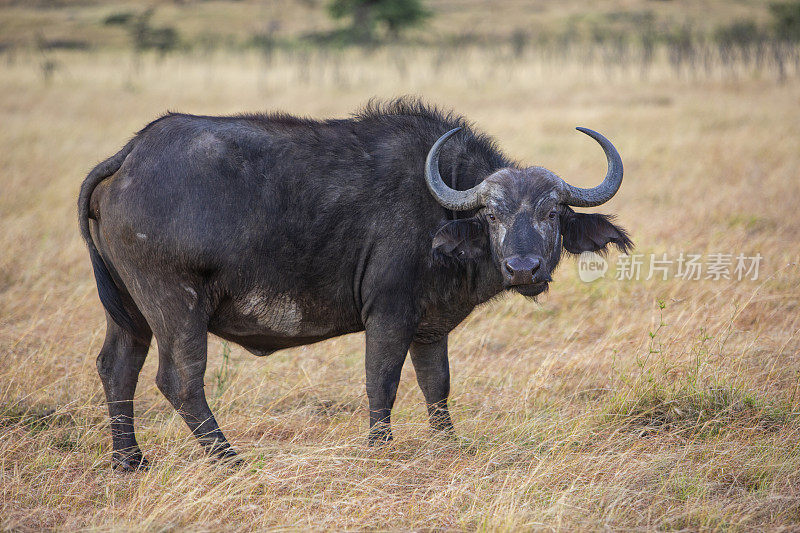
694, 411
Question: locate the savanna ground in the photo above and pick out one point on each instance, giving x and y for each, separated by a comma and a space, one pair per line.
635, 404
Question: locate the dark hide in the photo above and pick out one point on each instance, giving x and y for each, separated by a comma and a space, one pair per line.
464, 240
272, 231
592, 232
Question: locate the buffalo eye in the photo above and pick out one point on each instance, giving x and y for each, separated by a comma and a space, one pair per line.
491, 217
552, 214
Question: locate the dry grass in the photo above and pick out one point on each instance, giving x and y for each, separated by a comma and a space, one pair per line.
570, 414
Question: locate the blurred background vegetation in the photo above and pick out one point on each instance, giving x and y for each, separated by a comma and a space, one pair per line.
694, 36
172, 25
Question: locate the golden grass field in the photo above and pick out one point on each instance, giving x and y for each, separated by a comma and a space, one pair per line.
593, 409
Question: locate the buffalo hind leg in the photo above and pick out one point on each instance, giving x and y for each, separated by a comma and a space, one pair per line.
119, 363
433, 375
386, 351
181, 368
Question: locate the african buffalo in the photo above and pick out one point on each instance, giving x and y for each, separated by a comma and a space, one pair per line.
273, 231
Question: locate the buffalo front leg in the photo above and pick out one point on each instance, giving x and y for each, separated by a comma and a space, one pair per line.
387, 347
433, 375
119, 363
181, 368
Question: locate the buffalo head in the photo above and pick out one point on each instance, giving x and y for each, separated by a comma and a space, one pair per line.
524, 220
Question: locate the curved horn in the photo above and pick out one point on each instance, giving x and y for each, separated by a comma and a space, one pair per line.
449, 198
578, 197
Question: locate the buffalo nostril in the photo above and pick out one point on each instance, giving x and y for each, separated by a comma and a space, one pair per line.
521, 270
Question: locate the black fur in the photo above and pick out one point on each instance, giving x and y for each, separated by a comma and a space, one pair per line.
464, 240
273, 231
592, 232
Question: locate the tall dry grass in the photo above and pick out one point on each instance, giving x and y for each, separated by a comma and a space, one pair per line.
616, 404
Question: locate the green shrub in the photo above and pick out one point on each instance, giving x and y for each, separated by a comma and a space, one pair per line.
394, 15
739, 33
147, 37
786, 20
118, 19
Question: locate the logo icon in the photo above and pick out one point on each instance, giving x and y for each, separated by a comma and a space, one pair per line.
591, 266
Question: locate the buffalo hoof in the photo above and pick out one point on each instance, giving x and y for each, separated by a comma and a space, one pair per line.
231, 460
226, 456
379, 437
444, 428
129, 463
444, 433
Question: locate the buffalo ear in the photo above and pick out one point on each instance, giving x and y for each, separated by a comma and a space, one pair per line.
461, 239
591, 232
